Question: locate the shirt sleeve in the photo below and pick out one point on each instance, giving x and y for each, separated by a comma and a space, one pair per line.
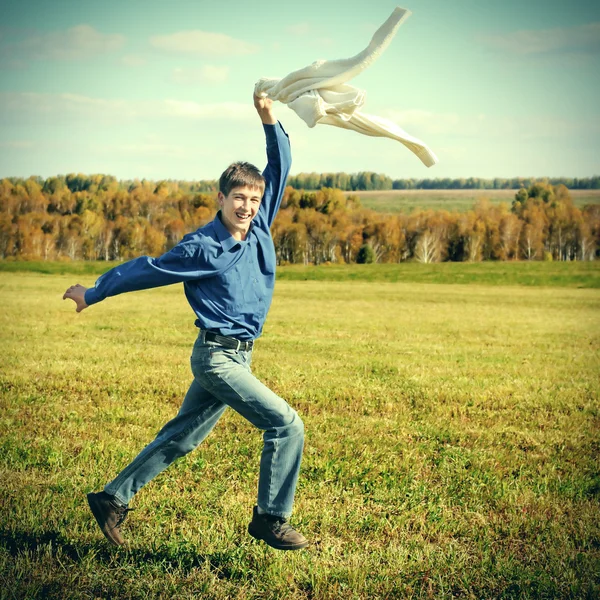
279, 162
184, 262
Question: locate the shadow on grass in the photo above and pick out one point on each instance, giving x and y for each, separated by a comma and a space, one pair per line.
183, 558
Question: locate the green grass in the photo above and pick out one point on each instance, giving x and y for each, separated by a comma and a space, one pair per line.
554, 274
76, 267
405, 201
452, 444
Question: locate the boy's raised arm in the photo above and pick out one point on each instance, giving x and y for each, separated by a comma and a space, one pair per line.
264, 108
279, 159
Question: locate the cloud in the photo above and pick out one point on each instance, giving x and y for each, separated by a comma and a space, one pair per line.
133, 60
48, 104
426, 121
71, 106
314, 35
81, 41
370, 27
428, 124
204, 74
580, 38
298, 29
325, 42
17, 144
204, 43
145, 148
452, 152
221, 110
7, 62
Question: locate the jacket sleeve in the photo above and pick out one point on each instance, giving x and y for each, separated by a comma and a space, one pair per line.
184, 262
279, 162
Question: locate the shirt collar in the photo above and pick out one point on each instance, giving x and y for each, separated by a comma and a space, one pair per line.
225, 238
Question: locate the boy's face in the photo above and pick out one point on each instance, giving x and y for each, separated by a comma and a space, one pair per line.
238, 209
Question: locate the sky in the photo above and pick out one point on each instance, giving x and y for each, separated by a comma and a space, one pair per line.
161, 89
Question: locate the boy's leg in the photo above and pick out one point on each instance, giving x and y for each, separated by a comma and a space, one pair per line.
227, 376
197, 416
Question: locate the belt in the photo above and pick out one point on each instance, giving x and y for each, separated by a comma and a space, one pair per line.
228, 342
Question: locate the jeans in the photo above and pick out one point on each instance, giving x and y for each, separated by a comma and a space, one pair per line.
222, 378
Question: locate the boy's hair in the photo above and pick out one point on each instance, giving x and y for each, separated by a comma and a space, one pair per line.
241, 174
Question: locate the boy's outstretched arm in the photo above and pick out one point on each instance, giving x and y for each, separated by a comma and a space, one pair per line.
77, 294
194, 257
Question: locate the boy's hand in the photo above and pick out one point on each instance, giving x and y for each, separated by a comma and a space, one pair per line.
264, 108
77, 294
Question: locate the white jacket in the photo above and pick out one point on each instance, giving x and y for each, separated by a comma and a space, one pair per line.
319, 93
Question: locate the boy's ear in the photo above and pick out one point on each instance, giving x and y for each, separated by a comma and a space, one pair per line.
220, 198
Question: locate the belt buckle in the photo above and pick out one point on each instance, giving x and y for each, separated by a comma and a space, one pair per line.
239, 345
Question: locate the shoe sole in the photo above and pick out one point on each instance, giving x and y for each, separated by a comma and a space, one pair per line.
256, 536
97, 512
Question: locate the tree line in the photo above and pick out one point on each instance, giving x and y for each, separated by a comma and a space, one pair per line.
347, 182
98, 218
366, 180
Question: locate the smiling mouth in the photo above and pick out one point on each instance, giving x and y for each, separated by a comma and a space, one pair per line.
242, 217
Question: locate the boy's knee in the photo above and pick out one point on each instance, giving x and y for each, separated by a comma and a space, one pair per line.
296, 427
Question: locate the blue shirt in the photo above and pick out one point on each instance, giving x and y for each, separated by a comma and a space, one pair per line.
228, 283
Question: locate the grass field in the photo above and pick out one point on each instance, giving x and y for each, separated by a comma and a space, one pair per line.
452, 441
405, 201
563, 274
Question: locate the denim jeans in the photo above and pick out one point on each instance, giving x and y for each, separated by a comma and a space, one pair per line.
222, 378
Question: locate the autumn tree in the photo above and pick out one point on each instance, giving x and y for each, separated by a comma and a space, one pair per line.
96, 217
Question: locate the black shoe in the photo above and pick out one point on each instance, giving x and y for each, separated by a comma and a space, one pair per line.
276, 532
109, 515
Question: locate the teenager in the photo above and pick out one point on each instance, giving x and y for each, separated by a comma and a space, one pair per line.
228, 271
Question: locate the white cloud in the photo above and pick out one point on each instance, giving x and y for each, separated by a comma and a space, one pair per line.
133, 60
8, 62
325, 42
72, 105
145, 148
17, 144
452, 152
426, 121
579, 38
427, 125
204, 74
370, 27
204, 43
81, 41
29, 102
221, 110
421, 123
298, 29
